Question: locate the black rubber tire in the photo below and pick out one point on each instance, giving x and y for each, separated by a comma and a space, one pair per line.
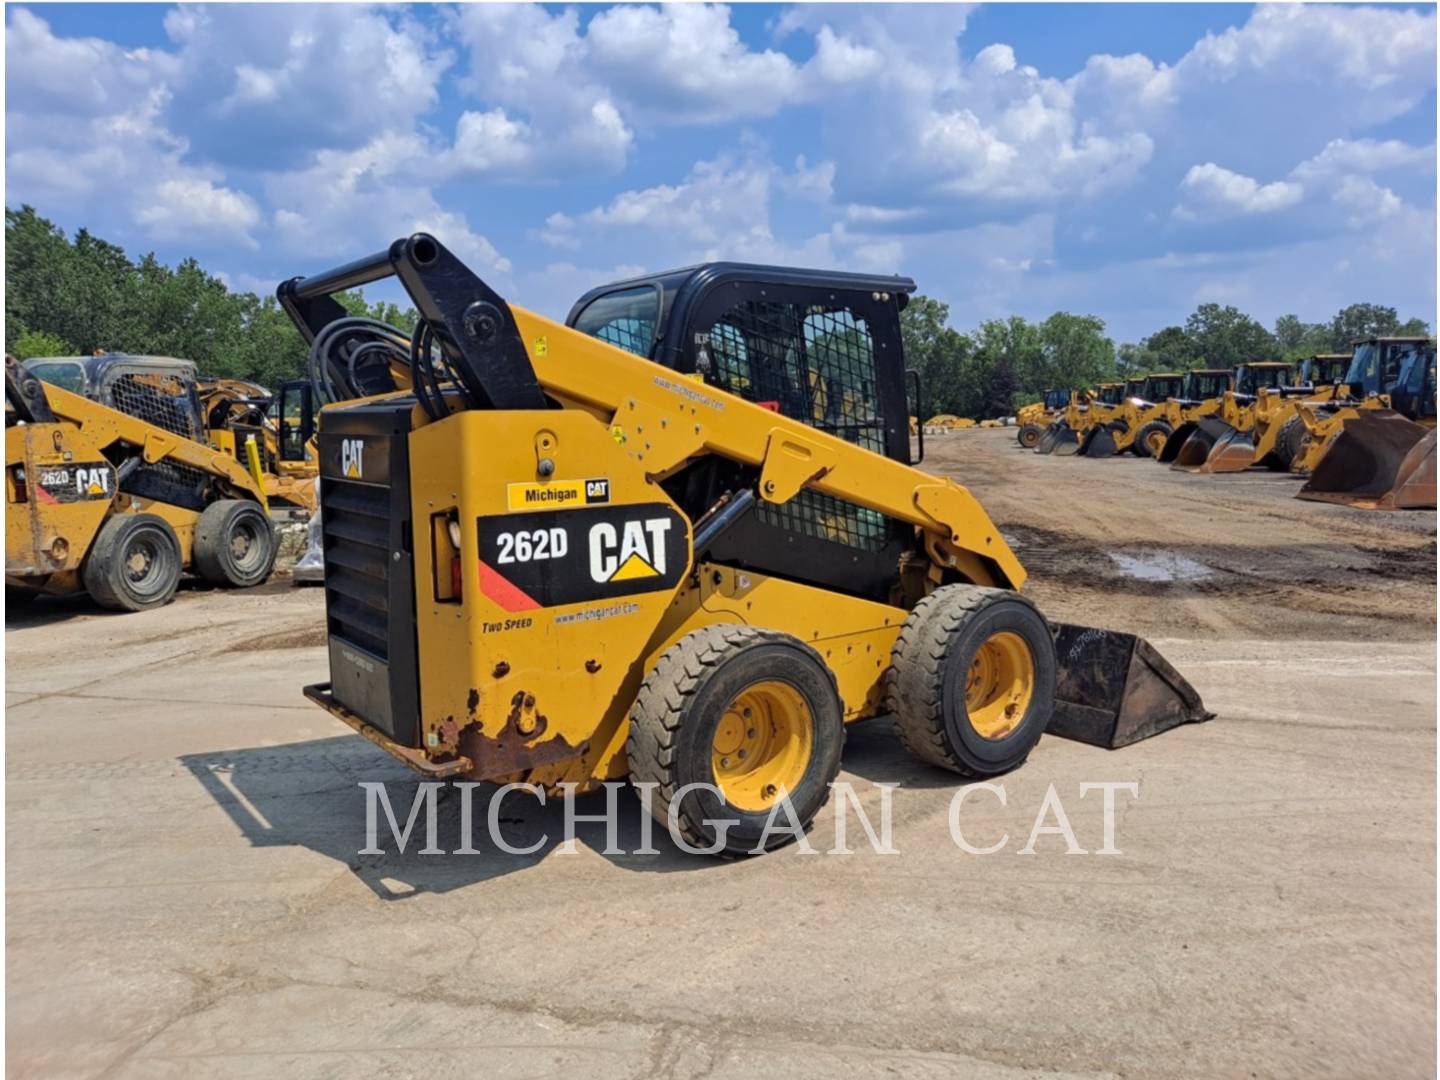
1029, 435
222, 526
673, 720
925, 686
1146, 430
1290, 440
106, 572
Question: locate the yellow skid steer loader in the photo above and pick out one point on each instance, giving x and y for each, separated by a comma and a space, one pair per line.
111, 490
642, 544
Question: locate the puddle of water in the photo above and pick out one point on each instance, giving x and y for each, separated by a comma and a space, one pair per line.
1161, 566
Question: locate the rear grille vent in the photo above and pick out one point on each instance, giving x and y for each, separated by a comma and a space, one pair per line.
357, 564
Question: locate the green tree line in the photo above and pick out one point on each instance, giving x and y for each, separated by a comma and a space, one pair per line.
71, 296
1006, 363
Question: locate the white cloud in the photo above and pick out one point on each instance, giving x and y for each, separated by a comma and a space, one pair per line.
183, 206
1345, 156
1210, 192
1365, 202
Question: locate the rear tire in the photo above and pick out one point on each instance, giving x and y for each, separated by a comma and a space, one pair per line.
1150, 439
134, 563
1029, 435
235, 544
972, 679
737, 684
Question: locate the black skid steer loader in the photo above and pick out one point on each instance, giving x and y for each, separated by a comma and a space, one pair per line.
681, 538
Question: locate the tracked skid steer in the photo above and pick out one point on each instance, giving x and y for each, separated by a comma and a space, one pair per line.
679, 538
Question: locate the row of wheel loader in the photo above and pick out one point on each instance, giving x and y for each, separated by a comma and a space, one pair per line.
1360, 428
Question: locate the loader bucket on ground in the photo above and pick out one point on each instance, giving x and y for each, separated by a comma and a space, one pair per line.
1114, 689
1099, 442
1415, 482
1215, 447
1369, 464
1174, 441
1056, 436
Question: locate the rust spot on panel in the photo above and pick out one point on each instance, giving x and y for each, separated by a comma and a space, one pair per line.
473, 701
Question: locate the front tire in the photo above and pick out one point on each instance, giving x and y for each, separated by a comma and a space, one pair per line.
134, 563
972, 679
235, 544
1150, 439
753, 713
1029, 435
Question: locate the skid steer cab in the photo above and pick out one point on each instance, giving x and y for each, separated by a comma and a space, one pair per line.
680, 539
113, 489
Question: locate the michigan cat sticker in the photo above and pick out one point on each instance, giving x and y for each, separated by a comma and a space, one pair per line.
557, 494
551, 558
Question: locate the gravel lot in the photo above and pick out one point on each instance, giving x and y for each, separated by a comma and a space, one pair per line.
185, 894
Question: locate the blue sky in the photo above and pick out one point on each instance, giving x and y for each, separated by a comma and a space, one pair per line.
1129, 161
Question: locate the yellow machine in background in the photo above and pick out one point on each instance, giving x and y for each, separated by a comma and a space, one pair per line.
1032, 420
1225, 441
1083, 411
630, 546
110, 489
238, 412
1139, 421
1380, 455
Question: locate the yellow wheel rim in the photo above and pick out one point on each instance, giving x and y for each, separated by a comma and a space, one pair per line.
762, 745
1154, 442
1000, 685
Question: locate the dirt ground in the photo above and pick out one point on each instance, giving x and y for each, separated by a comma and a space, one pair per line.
185, 894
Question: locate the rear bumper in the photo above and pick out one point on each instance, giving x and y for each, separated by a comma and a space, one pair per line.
320, 694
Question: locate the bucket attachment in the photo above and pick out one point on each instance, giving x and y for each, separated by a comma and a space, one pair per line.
1174, 441
1057, 435
1379, 461
1415, 482
1114, 689
1099, 442
1215, 447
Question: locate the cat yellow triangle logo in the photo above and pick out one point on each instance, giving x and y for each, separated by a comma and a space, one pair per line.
632, 568
94, 489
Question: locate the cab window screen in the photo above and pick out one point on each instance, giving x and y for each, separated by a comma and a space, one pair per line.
816, 365
65, 374
625, 319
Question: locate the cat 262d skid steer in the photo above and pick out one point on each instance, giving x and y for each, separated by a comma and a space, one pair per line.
680, 538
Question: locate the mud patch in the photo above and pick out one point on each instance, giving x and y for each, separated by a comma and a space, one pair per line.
309, 638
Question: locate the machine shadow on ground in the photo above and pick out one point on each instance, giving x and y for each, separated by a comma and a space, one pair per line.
308, 794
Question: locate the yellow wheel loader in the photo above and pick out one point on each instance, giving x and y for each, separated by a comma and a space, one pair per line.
638, 544
1083, 410
1323, 369
1226, 440
111, 490
1380, 455
1202, 395
1140, 422
1032, 420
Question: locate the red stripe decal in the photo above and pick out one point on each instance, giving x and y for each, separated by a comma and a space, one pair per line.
503, 591
44, 495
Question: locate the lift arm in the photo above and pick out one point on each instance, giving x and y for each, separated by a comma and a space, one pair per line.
506, 357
